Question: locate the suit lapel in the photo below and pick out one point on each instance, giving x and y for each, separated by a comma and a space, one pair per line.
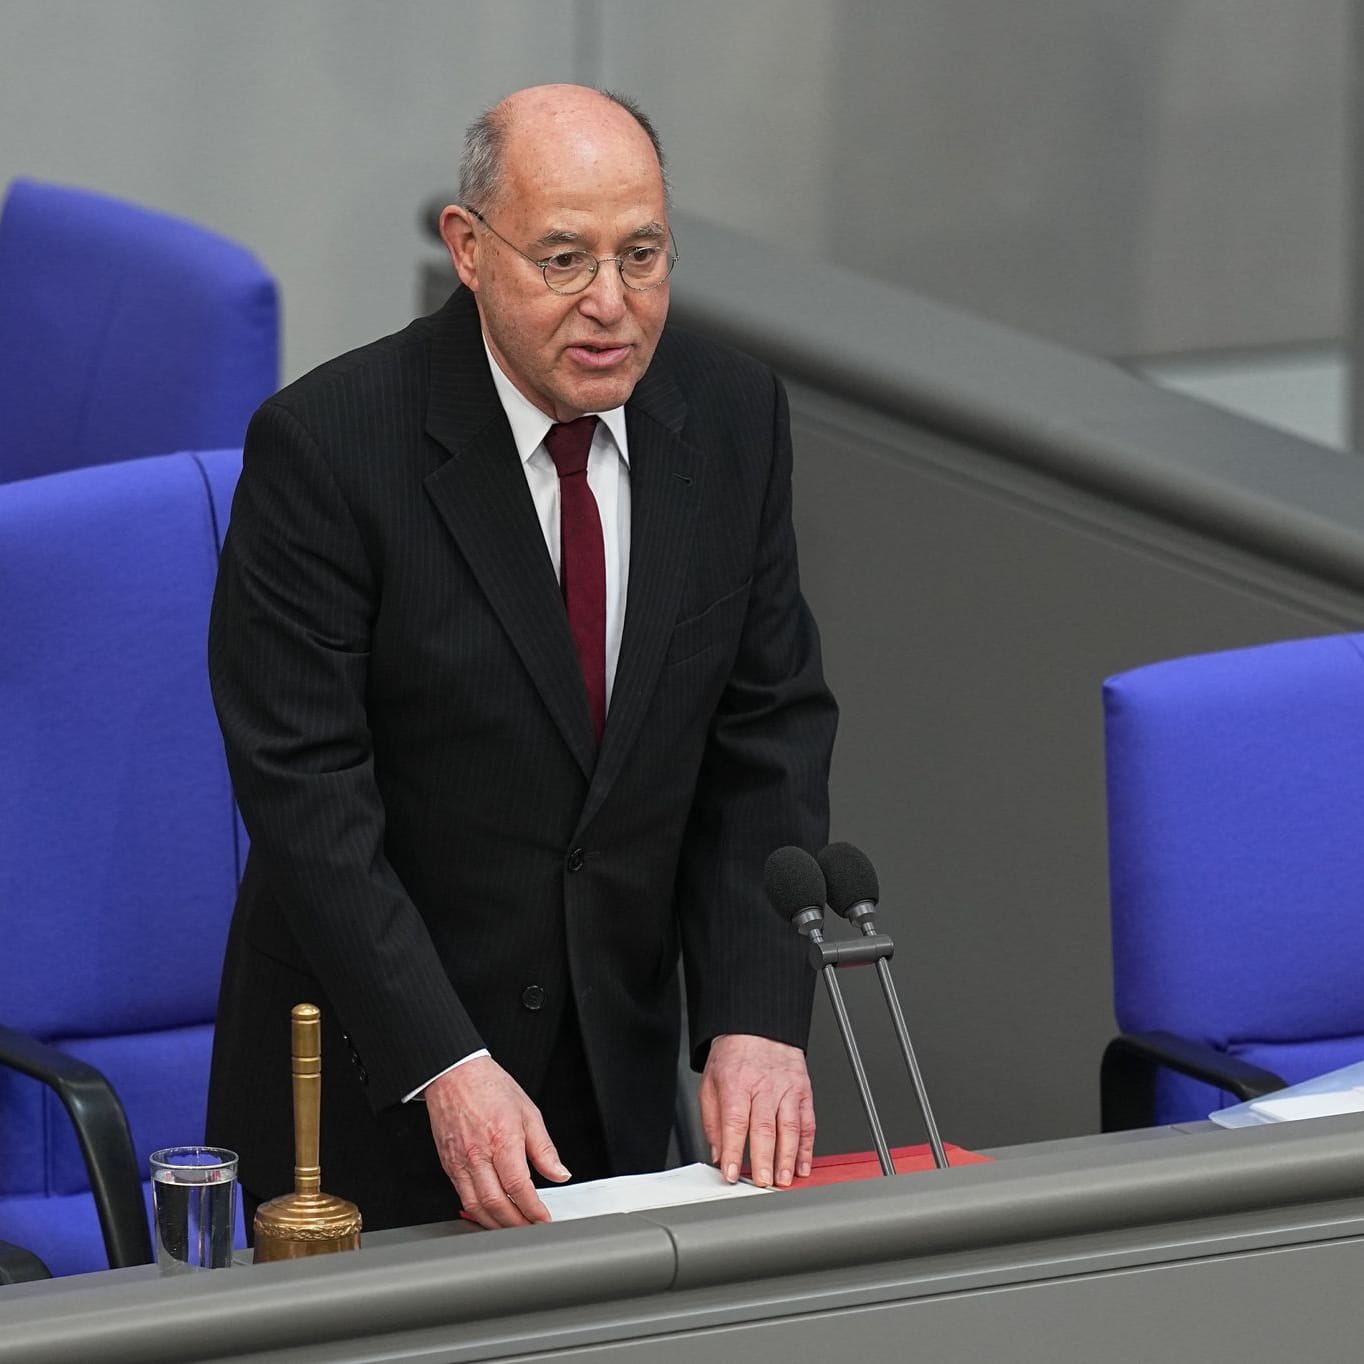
665, 492
482, 496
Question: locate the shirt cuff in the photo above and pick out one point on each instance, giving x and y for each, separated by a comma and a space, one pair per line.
420, 1091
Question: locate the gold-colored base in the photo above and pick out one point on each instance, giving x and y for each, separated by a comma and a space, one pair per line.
300, 1224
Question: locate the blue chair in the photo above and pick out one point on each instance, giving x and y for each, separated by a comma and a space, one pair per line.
120, 847
1235, 801
124, 333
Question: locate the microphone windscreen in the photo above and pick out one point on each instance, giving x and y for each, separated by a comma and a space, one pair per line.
850, 877
794, 882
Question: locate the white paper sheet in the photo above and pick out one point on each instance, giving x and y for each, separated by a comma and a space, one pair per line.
1323, 1096
630, 1193
1310, 1105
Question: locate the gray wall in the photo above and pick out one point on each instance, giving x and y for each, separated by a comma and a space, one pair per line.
1126, 178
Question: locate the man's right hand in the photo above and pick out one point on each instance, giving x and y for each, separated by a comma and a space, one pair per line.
485, 1128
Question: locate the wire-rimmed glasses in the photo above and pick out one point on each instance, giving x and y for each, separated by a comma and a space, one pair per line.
643, 267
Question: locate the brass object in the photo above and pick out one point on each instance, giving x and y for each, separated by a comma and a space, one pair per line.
307, 1221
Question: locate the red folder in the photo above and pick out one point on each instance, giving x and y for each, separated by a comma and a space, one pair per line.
865, 1165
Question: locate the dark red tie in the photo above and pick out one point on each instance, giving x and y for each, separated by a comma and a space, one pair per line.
582, 558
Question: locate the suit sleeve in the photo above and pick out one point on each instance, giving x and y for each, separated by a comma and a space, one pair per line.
763, 784
288, 657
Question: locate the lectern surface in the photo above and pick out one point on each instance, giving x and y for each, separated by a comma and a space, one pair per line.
1172, 1244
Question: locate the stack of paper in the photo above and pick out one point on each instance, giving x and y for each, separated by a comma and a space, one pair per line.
630, 1193
1324, 1096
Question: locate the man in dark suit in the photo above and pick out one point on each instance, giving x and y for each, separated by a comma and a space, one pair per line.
508, 731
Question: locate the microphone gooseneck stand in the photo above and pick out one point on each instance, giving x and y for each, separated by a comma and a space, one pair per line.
795, 886
853, 892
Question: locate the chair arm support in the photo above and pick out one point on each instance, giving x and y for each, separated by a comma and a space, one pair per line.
1127, 1075
18, 1265
106, 1142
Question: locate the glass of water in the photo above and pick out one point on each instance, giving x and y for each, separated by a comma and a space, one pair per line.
194, 1193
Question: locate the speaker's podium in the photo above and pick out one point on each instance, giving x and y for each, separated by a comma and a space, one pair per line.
1174, 1243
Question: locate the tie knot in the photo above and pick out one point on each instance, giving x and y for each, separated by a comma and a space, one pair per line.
568, 444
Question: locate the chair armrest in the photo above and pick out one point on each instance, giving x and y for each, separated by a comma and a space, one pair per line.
106, 1143
1127, 1075
18, 1265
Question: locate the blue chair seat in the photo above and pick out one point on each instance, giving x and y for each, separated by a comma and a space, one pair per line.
120, 846
1235, 785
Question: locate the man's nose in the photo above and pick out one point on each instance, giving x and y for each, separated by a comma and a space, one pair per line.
604, 298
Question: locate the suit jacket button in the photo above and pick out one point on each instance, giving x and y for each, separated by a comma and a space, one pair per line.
532, 997
575, 860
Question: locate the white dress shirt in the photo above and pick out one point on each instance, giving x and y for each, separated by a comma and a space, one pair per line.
608, 475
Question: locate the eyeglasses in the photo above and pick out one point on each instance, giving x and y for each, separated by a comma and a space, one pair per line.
642, 267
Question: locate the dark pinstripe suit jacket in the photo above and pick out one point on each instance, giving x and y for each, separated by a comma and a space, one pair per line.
439, 852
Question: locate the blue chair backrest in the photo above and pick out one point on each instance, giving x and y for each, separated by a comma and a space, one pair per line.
120, 850
1235, 795
124, 333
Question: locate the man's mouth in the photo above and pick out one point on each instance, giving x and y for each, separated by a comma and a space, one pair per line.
595, 356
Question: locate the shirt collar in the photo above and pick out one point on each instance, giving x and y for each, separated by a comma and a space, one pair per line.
530, 426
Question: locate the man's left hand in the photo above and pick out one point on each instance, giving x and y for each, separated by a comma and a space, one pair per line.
758, 1091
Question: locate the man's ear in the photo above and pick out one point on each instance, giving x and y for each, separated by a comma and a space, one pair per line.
457, 231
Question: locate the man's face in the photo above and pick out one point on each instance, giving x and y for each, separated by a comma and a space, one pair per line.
588, 181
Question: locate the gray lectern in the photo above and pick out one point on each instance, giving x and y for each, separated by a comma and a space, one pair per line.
1191, 1244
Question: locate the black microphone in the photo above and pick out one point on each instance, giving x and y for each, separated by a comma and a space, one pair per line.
851, 882
854, 892
795, 886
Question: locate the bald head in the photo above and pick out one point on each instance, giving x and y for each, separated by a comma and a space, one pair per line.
569, 116
565, 176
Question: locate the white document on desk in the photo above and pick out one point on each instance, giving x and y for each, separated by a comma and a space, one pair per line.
631, 1193
1323, 1096
1310, 1105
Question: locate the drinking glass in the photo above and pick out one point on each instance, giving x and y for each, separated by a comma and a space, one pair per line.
194, 1192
